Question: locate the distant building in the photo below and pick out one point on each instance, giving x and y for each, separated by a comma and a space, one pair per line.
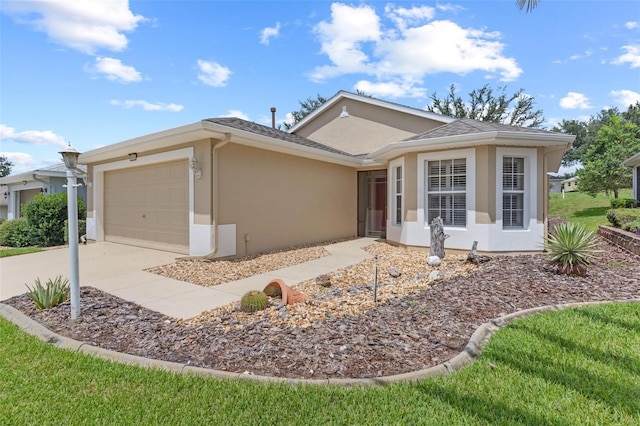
570, 185
555, 184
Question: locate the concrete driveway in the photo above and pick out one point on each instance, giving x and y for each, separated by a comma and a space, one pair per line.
119, 269
115, 268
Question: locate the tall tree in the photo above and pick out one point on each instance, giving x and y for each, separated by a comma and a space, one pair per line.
517, 109
529, 5
306, 107
5, 166
603, 170
585, 132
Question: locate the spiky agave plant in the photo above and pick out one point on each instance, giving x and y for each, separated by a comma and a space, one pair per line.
51, 294
571, 247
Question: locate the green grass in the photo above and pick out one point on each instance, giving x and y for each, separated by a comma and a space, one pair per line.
583, 208
579, 366
17, 251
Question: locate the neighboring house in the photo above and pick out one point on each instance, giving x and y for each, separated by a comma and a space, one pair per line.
555, 184
21, 188
634, 163
4, 201
356, 166
570, 185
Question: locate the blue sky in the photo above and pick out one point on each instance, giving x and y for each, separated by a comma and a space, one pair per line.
99, 72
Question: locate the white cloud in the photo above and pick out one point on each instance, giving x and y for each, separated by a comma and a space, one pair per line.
631, 25
213, 74
632, 56
413, 47
115, 70
82, 25
32, 137
575, 100
390, 89
147, 106
268, 33
22, 162
237, 114
625, 97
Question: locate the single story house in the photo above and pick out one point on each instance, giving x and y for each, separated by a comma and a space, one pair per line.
634, 163
570, 185
4, 201
22, 187
555, 184
355, 166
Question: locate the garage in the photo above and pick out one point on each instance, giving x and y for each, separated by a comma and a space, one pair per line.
148, 206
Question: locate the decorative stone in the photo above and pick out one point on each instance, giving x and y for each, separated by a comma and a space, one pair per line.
433, 261
324, 280
395, 273
434, 275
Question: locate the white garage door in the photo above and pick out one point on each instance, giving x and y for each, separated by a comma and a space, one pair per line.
148, 206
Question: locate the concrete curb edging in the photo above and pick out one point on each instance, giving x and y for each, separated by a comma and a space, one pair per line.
473, 349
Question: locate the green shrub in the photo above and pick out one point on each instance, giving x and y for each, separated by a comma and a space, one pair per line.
632, 226
254, 301
618, 217
82, 229
624, 203
46, 215
15, 233
570, 248
51, 294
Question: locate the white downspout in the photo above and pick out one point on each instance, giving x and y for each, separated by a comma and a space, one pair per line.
215, 187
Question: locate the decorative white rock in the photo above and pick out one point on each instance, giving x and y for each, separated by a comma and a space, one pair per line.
433, 261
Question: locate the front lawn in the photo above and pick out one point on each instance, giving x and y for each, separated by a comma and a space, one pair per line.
583, 208
579, 366
6, 252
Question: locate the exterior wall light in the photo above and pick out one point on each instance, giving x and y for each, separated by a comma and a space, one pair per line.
133, 156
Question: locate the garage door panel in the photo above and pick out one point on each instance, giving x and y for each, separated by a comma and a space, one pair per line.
148, 206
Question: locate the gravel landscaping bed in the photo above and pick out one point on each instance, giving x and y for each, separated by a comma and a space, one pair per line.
421, 318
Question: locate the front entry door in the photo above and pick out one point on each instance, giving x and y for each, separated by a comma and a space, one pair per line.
372, 209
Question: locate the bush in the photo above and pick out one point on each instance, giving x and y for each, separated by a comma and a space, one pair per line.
82, 229
624, 203
15, 233
51, 294
254, 301
632, 227
571, 248
618, 217
46, 215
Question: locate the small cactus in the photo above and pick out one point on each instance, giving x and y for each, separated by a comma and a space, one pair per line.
254, 301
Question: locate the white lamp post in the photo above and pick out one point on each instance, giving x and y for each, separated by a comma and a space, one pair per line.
70, 157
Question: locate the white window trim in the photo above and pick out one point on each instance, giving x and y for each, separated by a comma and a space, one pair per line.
393, 166
470, 156
530, 156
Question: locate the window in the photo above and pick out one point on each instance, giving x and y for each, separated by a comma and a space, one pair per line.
512, 192
397, 207
447, 191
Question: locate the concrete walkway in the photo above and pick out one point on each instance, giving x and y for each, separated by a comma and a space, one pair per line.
118, 269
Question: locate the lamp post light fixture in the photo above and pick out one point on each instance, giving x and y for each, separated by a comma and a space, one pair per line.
70, 158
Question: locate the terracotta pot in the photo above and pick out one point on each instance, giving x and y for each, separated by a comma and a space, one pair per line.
277, 288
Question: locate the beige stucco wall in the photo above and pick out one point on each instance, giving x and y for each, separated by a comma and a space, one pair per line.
365, 129
279, 200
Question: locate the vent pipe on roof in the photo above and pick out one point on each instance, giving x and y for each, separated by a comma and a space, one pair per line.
273, 117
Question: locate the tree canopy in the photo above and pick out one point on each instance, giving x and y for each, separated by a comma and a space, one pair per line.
614, 142
529, 5
484, 104
306, 107
5, 166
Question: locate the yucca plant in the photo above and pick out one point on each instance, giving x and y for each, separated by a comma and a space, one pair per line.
51, 294
571, 247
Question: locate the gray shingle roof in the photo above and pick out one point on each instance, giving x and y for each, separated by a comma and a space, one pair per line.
467, 126
259, 129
